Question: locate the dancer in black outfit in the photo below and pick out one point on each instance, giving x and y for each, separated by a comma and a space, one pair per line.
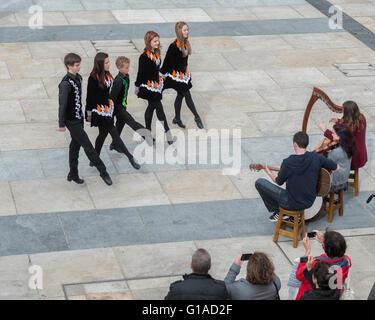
119, 96
149, 84
71, 117
177, 74
99, 108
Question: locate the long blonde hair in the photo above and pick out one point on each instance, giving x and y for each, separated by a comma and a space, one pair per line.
180, 38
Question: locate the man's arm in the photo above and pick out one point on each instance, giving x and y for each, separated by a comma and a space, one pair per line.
64, 90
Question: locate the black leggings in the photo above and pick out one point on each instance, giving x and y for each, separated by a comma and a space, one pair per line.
189, 102
103, 132
155, 105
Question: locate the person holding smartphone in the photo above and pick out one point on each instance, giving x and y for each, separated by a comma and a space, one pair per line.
334, 246
261, 282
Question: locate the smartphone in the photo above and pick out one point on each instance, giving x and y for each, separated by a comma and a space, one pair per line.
246, 256
303, 259
311, 234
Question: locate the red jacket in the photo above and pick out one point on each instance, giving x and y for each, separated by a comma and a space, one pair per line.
344, 263
360, 157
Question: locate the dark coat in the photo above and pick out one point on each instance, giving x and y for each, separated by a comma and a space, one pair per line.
320, 294
149, 82
70, 94
119, 91
98, 103
175, 69
197, 287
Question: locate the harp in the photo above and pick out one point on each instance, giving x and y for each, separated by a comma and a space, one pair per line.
315, 96
317, 209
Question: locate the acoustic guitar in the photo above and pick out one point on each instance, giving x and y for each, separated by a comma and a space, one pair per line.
323, 187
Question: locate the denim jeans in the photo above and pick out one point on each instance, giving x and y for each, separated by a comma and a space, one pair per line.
272, 195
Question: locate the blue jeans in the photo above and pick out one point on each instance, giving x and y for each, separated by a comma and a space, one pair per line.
272, 195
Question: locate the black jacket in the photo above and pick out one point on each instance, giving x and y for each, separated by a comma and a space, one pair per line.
149, 82
320, 294
317, 293
175, 68
70, 94
119, 91
197, 287
98, 103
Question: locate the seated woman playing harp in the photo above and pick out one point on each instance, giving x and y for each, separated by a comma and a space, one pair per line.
356, 122
342, 154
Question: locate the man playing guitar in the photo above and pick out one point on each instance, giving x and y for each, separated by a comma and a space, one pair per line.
300, 171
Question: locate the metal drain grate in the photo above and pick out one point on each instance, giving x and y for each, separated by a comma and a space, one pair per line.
356, 69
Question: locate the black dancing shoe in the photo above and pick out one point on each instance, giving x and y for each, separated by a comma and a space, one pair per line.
179, 123
134, 164
75, 179
106, 178
199, 123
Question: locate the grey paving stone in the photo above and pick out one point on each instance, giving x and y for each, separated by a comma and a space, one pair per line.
137, 31
20, 165
66, 5
146, 4
31, 234
103, 228
16, 5
105, 5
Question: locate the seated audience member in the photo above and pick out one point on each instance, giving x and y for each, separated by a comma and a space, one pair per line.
322, 281
334, 246
198, 285
261, 283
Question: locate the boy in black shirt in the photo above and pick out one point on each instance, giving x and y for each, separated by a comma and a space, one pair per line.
300, 171
71, 117
119, 96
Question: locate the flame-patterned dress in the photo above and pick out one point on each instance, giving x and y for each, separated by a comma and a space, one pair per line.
98, 104
175, 68
149, 83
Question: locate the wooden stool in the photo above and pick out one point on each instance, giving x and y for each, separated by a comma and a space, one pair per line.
355, 182
282, 224
334, 204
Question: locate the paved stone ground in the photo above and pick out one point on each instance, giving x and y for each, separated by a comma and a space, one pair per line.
254, 65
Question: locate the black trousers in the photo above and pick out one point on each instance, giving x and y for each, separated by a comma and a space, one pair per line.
189, 102
158, 107
81, 139
123, 117
103, 133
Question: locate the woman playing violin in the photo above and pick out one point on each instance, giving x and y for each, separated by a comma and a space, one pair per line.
342, 154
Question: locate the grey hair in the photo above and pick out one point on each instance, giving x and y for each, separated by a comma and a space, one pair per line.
201, 261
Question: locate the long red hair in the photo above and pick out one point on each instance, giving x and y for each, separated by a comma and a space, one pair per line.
148, 38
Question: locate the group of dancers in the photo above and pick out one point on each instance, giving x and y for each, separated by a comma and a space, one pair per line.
107, 98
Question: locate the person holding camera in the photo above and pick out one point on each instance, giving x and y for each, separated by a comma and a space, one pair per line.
334, 246
198, 285
261, 282
322, 281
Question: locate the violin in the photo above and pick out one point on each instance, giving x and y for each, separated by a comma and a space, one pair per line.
325, 146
